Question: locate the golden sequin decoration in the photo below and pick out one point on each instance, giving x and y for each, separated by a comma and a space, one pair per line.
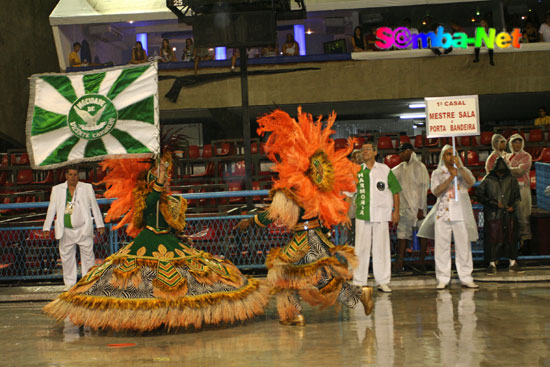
320, 171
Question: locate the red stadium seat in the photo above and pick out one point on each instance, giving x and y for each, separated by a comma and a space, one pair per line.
20, 159
240, 169
486, 137
533, 179
536, 135
193, 152
385, 142
418, 141
404, 139
340, 144
254, 148
5, 160
207, 151
544, 156
24, 177
467, 141
359, 142
392, 160
225, 148
473, 158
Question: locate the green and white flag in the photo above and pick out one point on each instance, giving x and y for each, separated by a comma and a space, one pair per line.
92, 115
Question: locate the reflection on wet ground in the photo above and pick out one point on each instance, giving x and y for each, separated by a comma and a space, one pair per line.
498, 325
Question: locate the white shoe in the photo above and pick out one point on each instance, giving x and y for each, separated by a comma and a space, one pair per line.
470, 285
384, 288
441, 285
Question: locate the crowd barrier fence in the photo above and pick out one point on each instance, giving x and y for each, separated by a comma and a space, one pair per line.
26, 255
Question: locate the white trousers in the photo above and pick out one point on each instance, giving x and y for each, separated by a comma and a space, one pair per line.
67, 251
373, 236
442, 251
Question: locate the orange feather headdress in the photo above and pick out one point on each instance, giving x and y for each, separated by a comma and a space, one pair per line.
120, 182
308, 165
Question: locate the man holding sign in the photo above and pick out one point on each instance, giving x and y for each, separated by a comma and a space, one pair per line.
451, 216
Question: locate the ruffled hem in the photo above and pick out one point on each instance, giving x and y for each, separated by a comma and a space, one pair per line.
287, 277
143, 315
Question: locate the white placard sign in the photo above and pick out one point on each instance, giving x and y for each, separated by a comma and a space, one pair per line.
452, 116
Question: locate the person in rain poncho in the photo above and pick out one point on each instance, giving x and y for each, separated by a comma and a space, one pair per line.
499, 150
499, 194
451, 218
520, 162
415, 182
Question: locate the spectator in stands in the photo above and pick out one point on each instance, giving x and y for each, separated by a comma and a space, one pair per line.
520, 164
371, 40
415, 181
139, 56
499, 195
74, 57
530, 33
451, 216
477, 50
543, 119
71, 203
358, 40
544, 30
166, 52
377, 193
269, 51
499, 150
290, 47
201, 54
189, 51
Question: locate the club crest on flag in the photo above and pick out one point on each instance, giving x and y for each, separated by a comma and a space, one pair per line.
93, 115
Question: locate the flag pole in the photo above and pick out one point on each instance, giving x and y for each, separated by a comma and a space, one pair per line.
456, 177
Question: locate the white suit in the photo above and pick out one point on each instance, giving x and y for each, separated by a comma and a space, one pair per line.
415, 182
82, 232
372, 229
449, 218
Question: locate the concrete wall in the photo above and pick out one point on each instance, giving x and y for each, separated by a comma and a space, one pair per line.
27, 46
420, 77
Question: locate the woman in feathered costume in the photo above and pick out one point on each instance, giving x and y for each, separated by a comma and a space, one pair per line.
157, 280
307, 197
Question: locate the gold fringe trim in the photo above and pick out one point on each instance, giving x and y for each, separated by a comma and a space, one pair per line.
348, 253
149, 314
169, 292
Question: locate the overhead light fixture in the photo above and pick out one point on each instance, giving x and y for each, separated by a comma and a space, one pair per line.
309, 31
417, 105
409, 116
131, 21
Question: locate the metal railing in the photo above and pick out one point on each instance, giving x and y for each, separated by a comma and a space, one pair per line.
24, 254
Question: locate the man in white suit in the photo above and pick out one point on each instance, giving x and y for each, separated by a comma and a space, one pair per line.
70, 203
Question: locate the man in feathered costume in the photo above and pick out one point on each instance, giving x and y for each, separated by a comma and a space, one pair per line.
157, 280
307, 197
